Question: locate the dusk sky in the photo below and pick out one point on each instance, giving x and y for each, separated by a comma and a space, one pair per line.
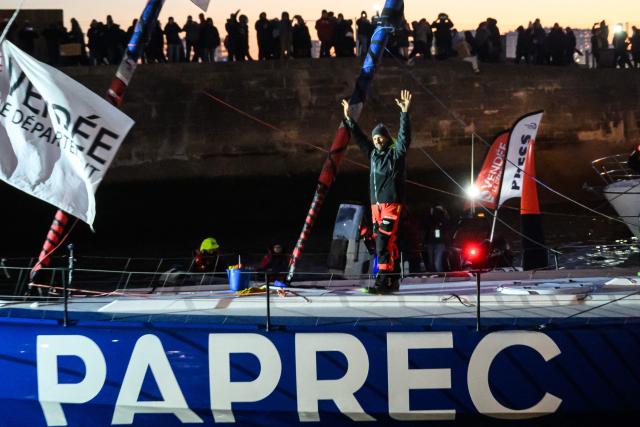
466, 14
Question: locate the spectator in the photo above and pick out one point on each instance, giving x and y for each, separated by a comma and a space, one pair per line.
234, 38
192, 35
523, 45
635, 46
285, 35
463, 51
422, 39
27, 38
603, 33
325, 34
538, 43
482, 42
364, 34
343, 37
210, 41
174, 43
96, 49
54, 35
155, 47
132, 29
77, 36
402, 35
243, 47
301, 39
114, 41
275, 38
556, 45
202, 23
495, 41
263, 33
471, 40
443, 26
572, 46
620, 46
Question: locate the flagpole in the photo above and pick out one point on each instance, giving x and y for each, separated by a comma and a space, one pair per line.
504, 168
11, 20
115, 94
472, 179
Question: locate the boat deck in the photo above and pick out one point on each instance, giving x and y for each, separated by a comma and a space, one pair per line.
583, 294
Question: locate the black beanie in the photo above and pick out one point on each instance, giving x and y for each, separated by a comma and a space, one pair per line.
381, 129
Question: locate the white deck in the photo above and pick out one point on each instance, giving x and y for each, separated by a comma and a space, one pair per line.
586, 297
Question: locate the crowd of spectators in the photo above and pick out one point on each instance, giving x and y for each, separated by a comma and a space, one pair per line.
286, 37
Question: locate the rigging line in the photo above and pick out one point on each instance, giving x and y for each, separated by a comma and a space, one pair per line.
536, 179
464, 125
596, 307
361, 165
488, 210
346, 159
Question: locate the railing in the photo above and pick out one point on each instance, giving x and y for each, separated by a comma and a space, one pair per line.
614, 168
68, 280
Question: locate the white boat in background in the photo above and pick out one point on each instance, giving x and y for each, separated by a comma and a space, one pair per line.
622, 188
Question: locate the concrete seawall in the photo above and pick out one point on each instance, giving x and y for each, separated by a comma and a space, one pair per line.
181, 133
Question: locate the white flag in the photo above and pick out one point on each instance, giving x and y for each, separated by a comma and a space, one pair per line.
524, 131
57, 138
202, 4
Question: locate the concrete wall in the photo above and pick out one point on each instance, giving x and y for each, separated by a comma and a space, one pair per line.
182, 133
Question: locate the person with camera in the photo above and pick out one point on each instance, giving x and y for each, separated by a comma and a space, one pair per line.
442, 27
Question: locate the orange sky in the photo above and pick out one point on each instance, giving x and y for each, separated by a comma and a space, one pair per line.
465, 13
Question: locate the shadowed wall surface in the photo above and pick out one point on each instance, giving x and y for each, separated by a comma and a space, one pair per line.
192, 167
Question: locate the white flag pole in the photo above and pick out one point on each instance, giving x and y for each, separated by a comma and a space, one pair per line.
10, 23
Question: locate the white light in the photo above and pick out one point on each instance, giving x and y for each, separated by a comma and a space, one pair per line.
618, 28
376, 7
473, 192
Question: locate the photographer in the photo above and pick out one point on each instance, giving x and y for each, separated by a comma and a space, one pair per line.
442, 27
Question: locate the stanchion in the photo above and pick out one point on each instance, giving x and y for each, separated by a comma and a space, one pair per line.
478, 301
266, 279
66, 285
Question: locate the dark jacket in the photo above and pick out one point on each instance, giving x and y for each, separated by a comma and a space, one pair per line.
388, 167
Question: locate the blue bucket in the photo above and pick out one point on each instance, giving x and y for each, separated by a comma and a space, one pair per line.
238, 279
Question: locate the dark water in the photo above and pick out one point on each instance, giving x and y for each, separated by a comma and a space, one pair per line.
169, 219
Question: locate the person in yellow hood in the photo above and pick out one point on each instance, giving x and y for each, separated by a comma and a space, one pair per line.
206, 257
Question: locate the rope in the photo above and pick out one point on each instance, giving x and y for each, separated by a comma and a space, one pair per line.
316, 147
362, 165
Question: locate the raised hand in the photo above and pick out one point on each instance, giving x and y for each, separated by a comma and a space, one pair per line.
345, 106
405, 101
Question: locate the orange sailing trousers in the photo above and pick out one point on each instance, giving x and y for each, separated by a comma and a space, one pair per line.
386, 217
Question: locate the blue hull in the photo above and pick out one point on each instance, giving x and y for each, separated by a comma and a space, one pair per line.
412, 372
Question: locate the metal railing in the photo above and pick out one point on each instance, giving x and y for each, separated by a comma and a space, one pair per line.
614, 168
68, 280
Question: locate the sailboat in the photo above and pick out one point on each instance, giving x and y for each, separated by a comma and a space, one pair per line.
535, 348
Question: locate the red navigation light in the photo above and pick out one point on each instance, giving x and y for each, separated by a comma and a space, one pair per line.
473, 254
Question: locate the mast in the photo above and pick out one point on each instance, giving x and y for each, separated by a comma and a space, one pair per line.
114, 95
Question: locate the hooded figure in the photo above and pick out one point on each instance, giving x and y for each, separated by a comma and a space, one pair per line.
386, 187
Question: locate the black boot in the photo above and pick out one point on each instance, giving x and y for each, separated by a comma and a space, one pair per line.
381, 286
